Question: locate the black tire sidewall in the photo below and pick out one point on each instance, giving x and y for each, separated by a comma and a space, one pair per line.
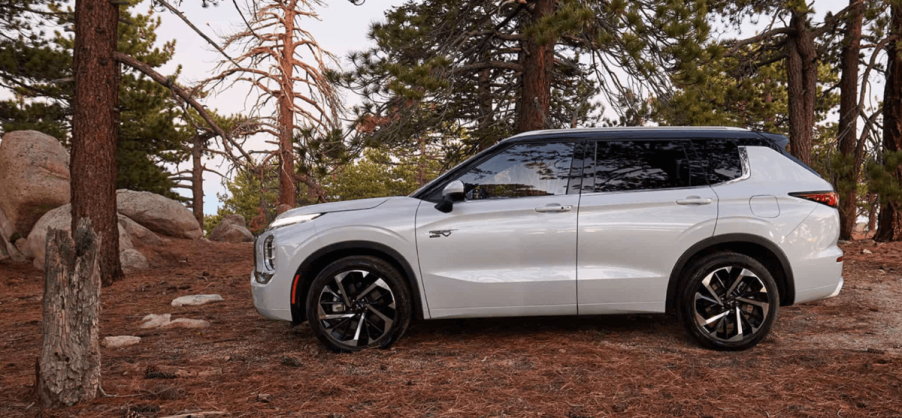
697, 272
386, 272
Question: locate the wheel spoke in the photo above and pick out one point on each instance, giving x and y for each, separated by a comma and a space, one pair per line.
335, 316
341, 288
359, 327
736, 279
366, 291
702, 321
388, 321
707, 284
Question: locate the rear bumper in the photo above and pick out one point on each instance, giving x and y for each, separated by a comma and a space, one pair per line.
815, 257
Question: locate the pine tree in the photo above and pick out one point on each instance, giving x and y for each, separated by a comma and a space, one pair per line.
490, 71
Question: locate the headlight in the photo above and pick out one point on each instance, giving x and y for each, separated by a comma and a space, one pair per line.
296, 219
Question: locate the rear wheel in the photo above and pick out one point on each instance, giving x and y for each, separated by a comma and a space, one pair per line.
358, 302
729, 302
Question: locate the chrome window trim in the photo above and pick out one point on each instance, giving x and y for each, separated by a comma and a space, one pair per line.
746, 169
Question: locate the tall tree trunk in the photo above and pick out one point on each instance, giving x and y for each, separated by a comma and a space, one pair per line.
287, 186
890, 222
95, 121
485, 109
197, 179
68, 370
538, 63
847, 181
801, 71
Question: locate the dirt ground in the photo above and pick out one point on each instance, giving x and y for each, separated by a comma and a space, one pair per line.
839, 357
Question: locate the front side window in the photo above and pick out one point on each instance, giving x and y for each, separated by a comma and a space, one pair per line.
637, 165
521, 170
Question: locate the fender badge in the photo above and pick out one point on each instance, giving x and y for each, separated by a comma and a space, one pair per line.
441, 233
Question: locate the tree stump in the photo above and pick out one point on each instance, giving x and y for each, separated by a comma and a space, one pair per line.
69, 366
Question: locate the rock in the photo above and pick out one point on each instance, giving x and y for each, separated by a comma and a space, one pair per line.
159, 214
194, 300
187, 323
132, 261
153, 321
861, 227
866, 251
291, 361
61, 218
233, 228
34, 177
7, 245
843, 242
138, 233
264, 397
120, 341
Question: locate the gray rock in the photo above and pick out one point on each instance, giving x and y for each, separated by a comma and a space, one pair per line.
132, 261
34, 177
61, 218
159, 214
120, 341
233, 228
154, 321
187, 323
138, 233
866, 251
194, 300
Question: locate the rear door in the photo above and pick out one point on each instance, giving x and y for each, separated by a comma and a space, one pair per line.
510, 248
641, 208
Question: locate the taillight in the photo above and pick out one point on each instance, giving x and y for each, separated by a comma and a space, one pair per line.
826, 198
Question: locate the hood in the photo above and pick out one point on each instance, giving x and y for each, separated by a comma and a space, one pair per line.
336, 206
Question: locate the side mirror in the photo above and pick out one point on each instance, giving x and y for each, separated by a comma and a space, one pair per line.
453, 192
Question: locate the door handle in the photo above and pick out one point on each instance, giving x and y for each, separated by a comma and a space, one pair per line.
694, 200
554, 208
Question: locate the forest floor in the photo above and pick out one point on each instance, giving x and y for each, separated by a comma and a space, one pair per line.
838, 357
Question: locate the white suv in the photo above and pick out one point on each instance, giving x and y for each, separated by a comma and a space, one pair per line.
718, 225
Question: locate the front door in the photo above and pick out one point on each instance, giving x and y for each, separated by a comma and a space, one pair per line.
508, 249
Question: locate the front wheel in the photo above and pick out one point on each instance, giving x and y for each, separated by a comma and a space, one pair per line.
358, 302
729, 301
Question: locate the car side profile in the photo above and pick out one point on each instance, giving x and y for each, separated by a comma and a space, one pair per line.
719, 226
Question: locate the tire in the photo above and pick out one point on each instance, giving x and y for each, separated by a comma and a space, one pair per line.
375, 311
721, 288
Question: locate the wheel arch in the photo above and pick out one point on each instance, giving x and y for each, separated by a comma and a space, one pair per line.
321, 258
759, 248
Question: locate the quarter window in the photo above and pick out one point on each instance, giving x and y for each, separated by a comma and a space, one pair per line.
715, 161
522, 170
637, 165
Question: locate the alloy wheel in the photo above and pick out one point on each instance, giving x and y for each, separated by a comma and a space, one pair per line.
731, 304
356, 308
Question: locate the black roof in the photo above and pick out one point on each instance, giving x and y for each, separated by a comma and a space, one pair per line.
658, 132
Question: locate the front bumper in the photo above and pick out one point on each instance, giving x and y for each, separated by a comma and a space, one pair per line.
291, 245
263, 301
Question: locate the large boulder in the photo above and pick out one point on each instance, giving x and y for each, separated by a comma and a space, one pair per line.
232, 229
61, 218
34, 178
138, 233
159, 214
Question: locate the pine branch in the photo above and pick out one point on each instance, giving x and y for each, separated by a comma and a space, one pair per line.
184, 18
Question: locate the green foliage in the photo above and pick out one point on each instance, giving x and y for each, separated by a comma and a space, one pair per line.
250, 197
883, 178
378, 173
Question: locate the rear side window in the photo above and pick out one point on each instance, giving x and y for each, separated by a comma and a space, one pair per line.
637, 165
715, 161
522, 170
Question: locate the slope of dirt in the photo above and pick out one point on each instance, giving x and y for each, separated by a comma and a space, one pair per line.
839, 357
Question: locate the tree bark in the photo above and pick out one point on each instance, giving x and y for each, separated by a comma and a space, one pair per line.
847, 181
538, 63
68, 370
197, 179
801, 71
95, 121
287, 187
890, 221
